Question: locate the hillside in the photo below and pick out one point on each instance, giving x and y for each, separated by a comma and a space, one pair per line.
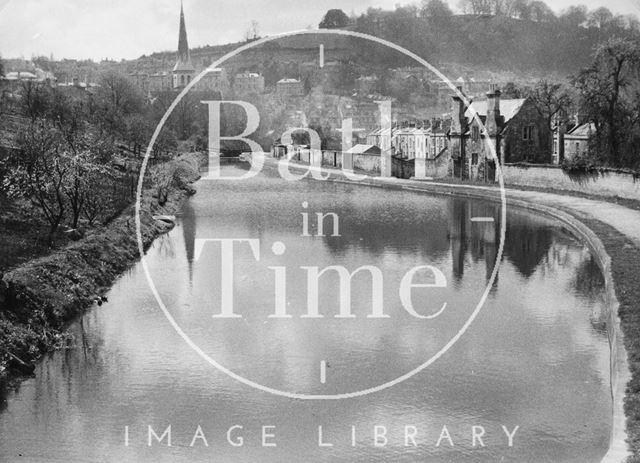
489, 43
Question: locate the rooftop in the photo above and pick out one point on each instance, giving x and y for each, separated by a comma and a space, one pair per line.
508, 108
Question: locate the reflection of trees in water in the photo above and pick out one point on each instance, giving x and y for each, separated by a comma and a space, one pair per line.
588, 281
527, 243
377, 229
558, 256
4, 392
63, 374
165, 246
87, 345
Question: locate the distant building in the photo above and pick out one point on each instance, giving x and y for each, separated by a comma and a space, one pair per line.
382, 137
160, 82
21, 75
411, 142
32, 73
364, 116
248, 82
289, 88
366, 84
576, 141
214, 79
140, 80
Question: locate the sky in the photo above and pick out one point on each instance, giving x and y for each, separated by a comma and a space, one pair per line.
127, 29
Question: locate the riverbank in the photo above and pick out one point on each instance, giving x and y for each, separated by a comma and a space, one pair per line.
39, 298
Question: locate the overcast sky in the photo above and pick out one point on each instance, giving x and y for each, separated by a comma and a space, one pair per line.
129, 28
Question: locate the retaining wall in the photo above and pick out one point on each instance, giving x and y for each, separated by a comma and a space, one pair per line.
602, 183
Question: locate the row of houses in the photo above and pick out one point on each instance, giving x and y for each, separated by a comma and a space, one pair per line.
409, 141
467, 142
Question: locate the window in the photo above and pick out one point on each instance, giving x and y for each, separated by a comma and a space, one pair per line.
527, 132
475, 132
474, 159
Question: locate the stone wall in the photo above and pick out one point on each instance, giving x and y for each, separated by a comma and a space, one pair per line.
604, 183
367, 162
402, 168
440, 166
332, 158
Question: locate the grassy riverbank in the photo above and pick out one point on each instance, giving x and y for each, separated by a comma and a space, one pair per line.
39, 298
625, 267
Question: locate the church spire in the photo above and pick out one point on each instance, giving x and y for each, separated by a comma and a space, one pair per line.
183, 44
183, 57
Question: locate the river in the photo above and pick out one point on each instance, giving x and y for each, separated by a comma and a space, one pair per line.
536, 357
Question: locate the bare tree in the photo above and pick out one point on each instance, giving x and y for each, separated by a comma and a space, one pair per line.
550, 99
610, 97
34, 99
39, 172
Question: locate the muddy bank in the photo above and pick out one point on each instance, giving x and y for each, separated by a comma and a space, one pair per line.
39, 298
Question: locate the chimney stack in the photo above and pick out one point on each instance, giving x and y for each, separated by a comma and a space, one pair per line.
492, 123
458, 110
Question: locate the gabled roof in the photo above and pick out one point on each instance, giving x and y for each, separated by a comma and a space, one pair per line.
582, 131
361, 149
508, 108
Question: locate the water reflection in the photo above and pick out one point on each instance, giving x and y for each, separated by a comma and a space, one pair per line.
532, 357
479, 239
526, 246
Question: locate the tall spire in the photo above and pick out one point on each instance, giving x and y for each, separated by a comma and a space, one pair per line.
183, 57
183, 44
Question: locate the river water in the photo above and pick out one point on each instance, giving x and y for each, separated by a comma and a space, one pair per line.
536, 357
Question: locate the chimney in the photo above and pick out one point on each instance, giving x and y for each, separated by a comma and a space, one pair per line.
558, 137
492, 123
458, 109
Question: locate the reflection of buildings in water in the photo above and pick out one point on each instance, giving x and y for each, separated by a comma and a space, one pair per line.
479, 239
189, 225
459, 215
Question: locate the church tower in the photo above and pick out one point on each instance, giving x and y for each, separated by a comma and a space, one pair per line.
183, 71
